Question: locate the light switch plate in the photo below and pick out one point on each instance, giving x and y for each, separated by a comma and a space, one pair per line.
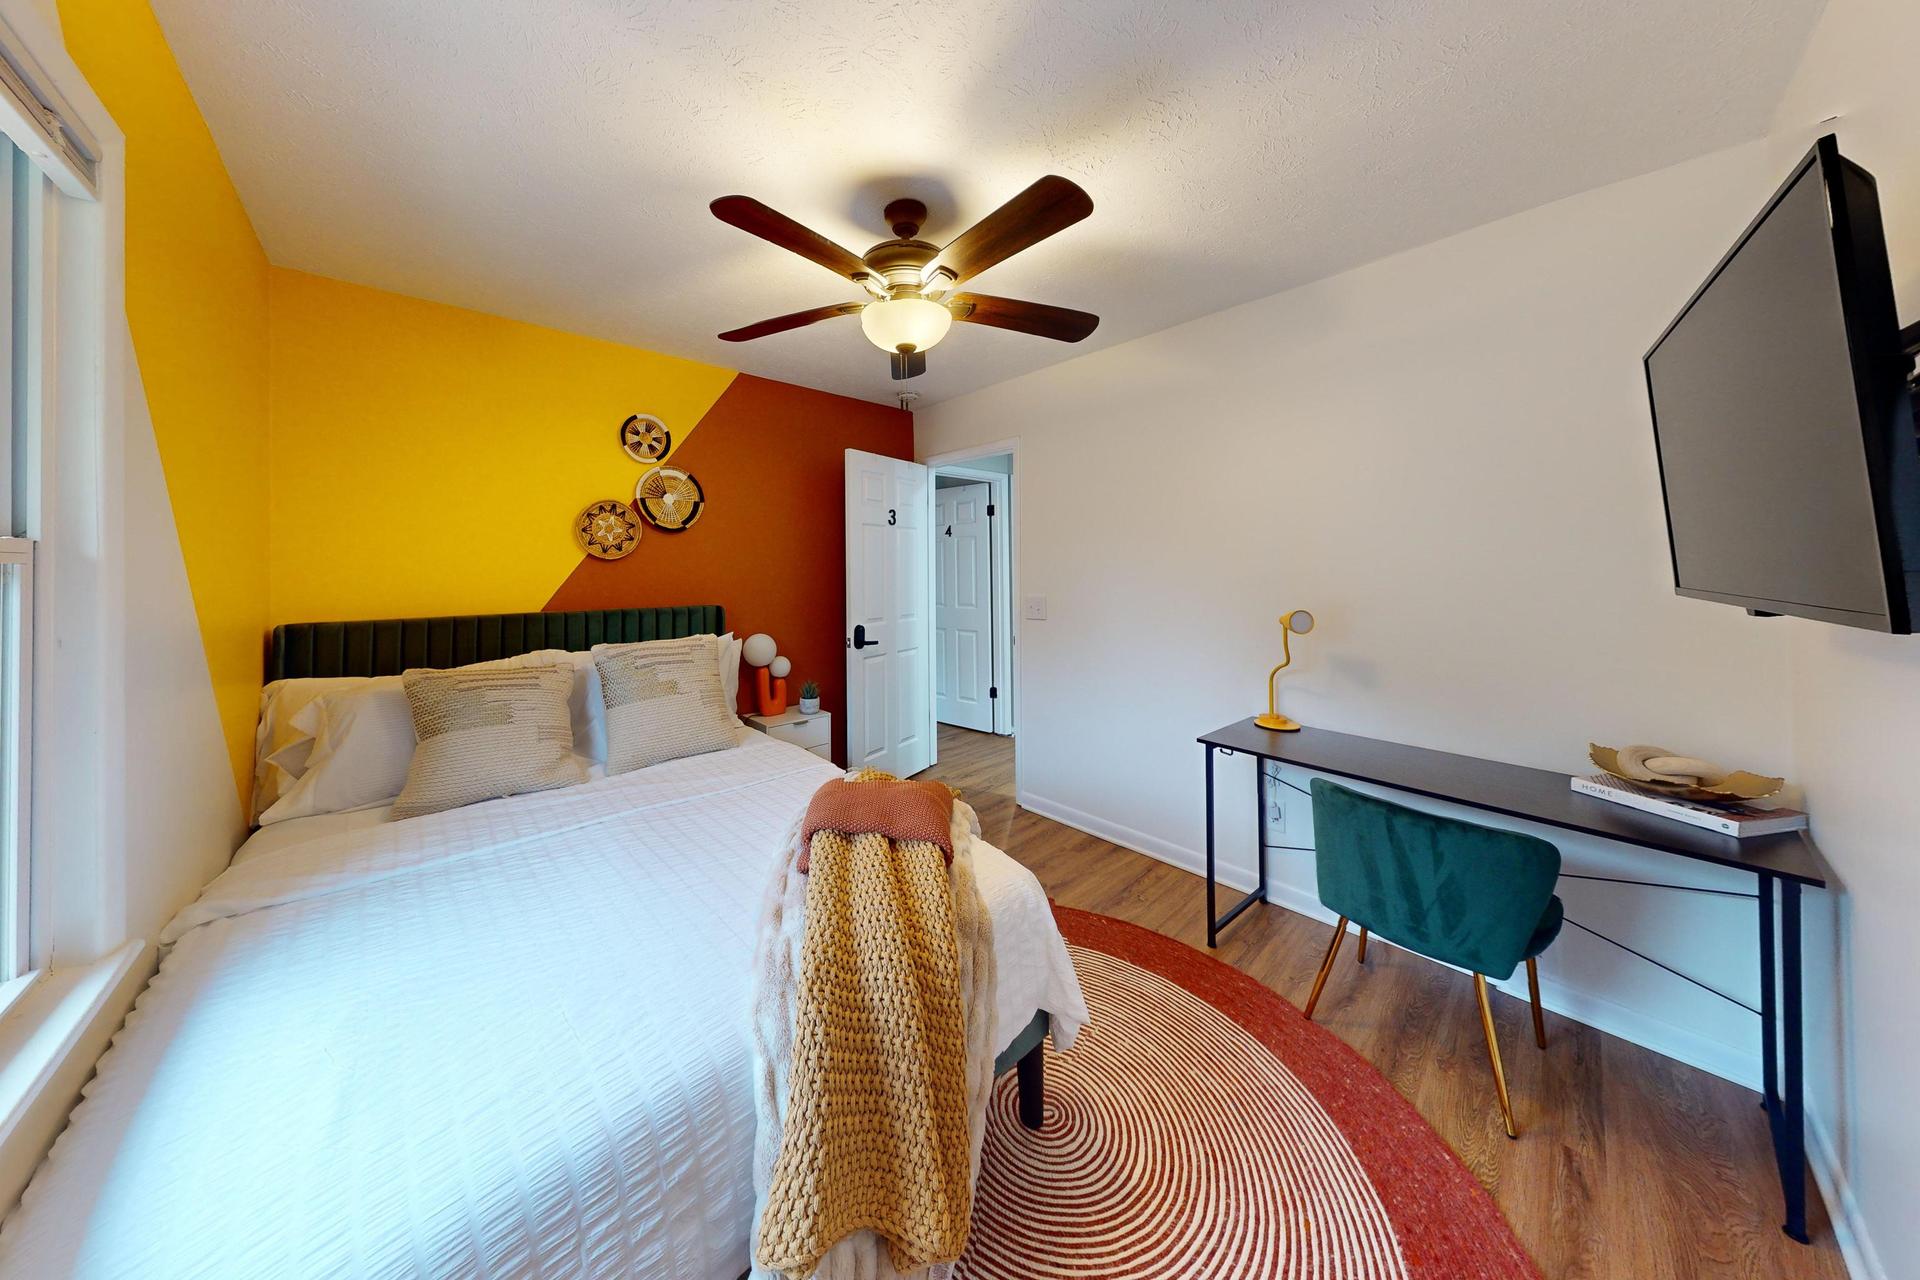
1035, 609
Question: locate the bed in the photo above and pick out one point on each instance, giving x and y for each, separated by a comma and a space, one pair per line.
506, 1040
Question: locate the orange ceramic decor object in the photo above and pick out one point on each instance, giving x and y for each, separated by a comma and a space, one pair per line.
773, 693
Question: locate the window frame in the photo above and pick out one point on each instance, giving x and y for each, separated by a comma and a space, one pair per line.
71, 361
86, 961
16, 757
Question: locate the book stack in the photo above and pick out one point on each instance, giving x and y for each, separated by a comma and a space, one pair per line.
1731, 819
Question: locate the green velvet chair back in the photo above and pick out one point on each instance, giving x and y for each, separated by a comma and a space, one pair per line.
1458, 892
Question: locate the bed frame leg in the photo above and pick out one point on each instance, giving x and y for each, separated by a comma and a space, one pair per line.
1032, 1071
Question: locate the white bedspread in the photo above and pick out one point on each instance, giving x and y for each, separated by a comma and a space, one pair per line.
509, 1040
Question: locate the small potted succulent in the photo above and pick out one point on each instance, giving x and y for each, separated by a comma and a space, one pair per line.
810, 698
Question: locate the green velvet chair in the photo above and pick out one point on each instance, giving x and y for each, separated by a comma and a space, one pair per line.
1477, 897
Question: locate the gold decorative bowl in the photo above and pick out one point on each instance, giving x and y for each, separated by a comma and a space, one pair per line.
1738, 785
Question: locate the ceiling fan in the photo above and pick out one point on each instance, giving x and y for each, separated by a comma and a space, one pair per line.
911, 281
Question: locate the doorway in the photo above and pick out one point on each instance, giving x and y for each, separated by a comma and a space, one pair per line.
973, 631
911, 665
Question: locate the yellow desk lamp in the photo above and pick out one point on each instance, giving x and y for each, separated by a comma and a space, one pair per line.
1292, 623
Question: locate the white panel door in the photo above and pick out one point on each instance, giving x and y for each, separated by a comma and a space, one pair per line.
963, 606
889, 615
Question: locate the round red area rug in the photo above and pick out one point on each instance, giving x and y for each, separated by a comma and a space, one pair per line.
1201, 1127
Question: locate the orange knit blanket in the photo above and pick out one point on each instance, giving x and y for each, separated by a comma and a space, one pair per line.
876, 1134
903, 812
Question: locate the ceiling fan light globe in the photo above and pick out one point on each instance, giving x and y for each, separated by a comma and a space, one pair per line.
905, 324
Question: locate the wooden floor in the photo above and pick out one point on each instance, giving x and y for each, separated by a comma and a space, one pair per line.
1628, 1164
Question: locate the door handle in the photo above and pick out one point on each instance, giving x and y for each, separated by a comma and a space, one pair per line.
860, 640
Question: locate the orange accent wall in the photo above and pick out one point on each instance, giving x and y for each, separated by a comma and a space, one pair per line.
771, 544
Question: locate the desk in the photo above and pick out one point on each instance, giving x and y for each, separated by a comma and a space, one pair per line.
1781, 866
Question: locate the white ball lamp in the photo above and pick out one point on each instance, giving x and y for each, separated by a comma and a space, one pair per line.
770, 675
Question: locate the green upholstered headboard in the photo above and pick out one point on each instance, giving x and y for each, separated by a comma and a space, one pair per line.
388, 647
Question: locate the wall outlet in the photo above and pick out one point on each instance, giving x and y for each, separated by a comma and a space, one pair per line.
1034, 609
1276, 820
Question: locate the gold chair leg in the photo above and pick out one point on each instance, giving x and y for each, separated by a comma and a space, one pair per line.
1533, 990
1493, 1052
1363, 944
1326, 966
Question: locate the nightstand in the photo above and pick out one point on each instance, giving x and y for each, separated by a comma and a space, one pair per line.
814, 732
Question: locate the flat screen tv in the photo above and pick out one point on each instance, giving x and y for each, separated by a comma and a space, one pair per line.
1782, 417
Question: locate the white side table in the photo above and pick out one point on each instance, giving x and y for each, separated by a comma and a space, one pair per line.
813, 732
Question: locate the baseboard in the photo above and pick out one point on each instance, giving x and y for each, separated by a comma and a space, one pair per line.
1138, 841
1849, 1228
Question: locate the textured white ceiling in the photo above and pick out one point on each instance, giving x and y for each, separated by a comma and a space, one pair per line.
552, 160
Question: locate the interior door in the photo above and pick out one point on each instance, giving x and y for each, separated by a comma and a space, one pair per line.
963, 607
889, 615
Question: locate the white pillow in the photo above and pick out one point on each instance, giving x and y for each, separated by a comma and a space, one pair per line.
361, 746
280, 747
353, 744
588, 713
729, 654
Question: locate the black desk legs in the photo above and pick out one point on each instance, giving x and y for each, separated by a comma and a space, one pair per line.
1782, 1072
1769, 1001
1260, 823
1215, 923
1213, 929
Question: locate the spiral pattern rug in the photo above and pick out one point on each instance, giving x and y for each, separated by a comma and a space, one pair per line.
1201, 1127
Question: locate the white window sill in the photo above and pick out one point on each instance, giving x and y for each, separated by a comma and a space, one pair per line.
49, 1014
13, 991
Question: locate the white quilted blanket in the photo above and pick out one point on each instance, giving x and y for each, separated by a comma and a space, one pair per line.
506, 1041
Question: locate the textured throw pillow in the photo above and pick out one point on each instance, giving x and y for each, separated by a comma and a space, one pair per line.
484, 734
583, 705
664, 700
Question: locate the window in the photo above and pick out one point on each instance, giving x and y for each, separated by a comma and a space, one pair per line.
17, 405
56, 576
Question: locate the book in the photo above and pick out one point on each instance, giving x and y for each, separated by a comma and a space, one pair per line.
1733, 819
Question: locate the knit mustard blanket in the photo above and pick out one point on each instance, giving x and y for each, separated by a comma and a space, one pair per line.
876, 1134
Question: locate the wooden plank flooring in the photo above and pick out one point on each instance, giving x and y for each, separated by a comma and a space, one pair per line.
1629, 1165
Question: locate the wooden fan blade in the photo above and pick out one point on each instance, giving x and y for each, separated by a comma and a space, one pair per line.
757, 219
1059, 323
1049, 205
798, 320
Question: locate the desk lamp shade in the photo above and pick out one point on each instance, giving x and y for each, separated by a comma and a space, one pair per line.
1295, 622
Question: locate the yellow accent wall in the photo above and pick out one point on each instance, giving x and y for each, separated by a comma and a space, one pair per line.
197, 293
333, 451
425, 458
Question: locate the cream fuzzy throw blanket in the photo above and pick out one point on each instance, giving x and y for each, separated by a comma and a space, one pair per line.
861, 971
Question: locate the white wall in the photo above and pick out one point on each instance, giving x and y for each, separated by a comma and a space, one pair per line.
183, 815
1856, 703
1446, 455
134, 805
